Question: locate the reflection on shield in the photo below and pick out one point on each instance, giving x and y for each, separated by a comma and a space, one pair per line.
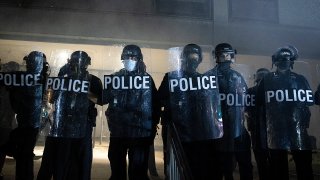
67, 96
287, 100
194, 100
128, 91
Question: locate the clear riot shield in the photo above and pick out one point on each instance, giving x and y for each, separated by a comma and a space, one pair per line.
233, 98
26, 87
67, 93
288, 97
7, 115
194, 97
129, 91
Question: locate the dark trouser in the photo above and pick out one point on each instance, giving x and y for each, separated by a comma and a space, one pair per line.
57, 158
279, 164
262, 158
26, 140
85, 156
303, 162
201, 159
228, 160
243, 159
138, 153
4, 138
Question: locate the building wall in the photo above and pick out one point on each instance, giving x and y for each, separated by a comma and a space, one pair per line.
256, 28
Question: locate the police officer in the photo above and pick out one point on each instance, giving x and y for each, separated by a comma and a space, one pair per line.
188, 108
26, 102
68, 148
254, 118
83, 161
7, 116
236, 140
132, 115
86, 153
286, 97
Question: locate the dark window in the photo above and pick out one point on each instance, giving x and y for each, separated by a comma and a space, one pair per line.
191, 8
255, 10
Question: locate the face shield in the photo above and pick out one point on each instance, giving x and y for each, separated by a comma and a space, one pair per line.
191, 62
34, 62
78, 66
227, 56
284, 64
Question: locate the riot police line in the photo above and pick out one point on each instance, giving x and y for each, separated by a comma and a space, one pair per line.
191, 84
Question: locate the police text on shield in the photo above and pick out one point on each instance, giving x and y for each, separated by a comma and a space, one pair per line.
126, 82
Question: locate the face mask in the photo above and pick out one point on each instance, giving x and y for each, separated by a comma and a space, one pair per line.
192, 66
192, 62
284, 65
226, 57
130, 65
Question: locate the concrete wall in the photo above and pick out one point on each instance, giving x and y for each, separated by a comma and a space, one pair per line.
298, 23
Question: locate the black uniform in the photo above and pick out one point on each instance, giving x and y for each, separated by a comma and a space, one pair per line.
235, 142
256, 125
194, 112
286, 97
64, 153
132, 115
7, 116
286, 124
26, 102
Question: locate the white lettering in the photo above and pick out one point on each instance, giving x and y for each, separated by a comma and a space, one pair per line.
270, 94
61, 84
289, 95
183, 84
127, 82
237, 100
192, 84
173, 84
19, 79
107, 81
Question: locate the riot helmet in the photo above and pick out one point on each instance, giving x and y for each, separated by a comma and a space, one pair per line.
260, 73
191, 57
131, 51
224, 52
284, 57
79, 62
10, 66
35, 61
131, 56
